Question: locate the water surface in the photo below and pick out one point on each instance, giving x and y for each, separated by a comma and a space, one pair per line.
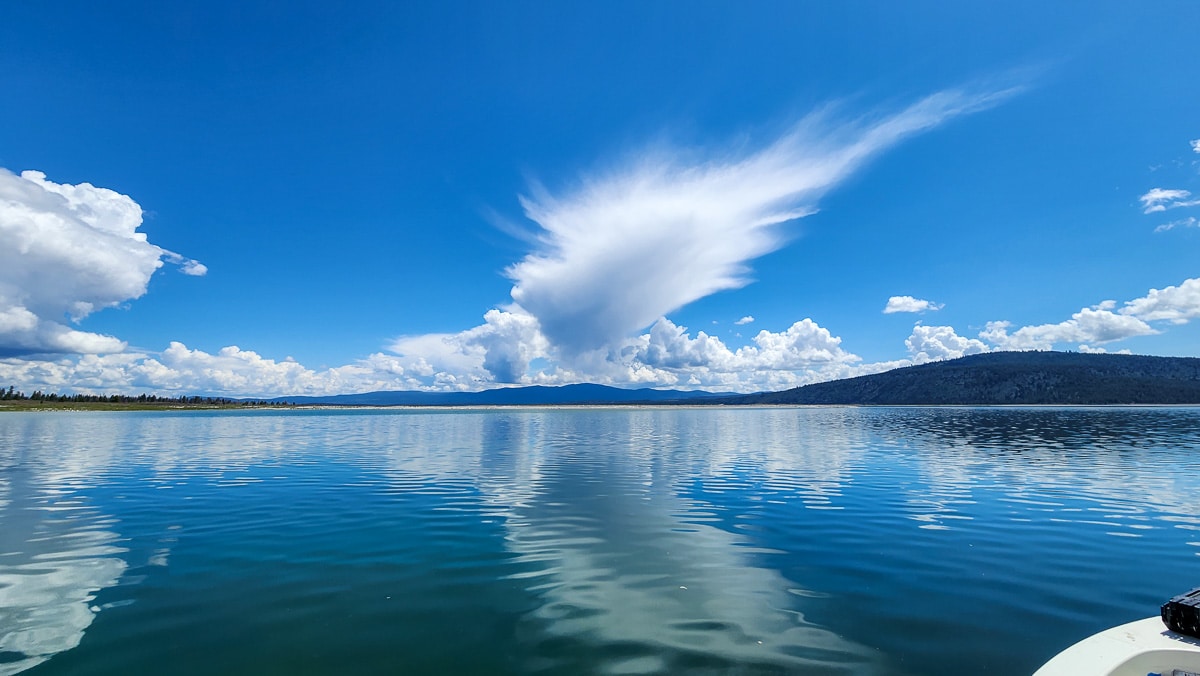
900, 541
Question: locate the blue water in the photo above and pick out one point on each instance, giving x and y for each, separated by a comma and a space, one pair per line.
903, 541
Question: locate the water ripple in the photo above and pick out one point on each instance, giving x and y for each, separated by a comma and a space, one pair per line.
809, 540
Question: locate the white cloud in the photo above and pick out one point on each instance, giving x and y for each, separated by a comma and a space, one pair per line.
803, 346
1088, 349
910, 304
1104, 322
668, 355
622, 249
499, 350
1086, 326
1189, 222
509, 340
637, 243
1159, 199
670, 347
934, 343
186, 265
1175, 304
1195, 143
665, 356
67, 251
230, 372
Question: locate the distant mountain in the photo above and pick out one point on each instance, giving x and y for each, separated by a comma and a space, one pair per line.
537, 395
1009, 378
982, 379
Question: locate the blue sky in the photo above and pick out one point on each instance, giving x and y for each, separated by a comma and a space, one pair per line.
288, 198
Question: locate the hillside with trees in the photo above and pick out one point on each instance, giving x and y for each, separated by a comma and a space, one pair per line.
1010, 378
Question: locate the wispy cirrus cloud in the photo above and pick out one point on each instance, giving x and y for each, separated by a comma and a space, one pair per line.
1159, 199
1189, 222
909, 304
65, 252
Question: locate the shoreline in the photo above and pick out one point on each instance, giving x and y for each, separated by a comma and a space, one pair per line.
78, 407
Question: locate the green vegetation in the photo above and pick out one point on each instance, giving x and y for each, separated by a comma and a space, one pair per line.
1020, 378
13, 399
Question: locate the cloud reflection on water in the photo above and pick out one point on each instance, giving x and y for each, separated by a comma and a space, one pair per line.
55, 554
625, 563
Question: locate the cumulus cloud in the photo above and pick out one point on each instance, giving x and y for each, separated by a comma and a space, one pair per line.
231, 372
1086, 326
1174, 304
1088, 349
67, 251
503, 348
506, 346
626, 247
1087, 330
1195, 143
667, 355
805, 352
1159, 199
1104, 322
803, 345
934, 343
910, 304
748, 319
499, 350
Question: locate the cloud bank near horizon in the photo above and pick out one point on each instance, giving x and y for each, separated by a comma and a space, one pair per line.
67, 251
667, 355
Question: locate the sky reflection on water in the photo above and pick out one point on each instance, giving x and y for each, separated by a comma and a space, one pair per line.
825, 540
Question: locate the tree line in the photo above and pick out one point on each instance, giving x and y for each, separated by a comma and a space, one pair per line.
1006, 378
13, 394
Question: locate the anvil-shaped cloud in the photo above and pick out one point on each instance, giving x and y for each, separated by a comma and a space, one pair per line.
637, 243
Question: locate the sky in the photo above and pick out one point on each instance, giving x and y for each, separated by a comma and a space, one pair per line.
287, 198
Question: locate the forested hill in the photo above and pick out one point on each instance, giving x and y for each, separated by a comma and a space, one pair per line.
1011, 378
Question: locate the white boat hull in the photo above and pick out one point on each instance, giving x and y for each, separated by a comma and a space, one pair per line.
1135, 649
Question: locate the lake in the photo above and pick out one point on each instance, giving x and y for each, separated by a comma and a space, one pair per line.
904, 541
